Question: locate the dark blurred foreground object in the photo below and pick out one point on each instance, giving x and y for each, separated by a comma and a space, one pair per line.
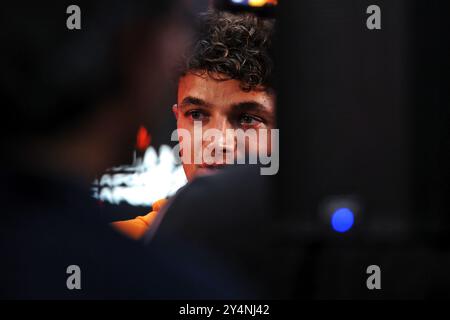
235, 215
72, 102
49, 224
364, 126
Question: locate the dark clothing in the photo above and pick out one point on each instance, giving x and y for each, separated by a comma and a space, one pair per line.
231, 214
235, 213
49, 224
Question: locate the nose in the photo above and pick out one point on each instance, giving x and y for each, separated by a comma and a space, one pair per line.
225, 143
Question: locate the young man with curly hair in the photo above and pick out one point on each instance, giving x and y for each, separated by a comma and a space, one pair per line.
225, 84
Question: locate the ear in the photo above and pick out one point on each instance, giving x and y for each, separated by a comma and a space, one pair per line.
175, 110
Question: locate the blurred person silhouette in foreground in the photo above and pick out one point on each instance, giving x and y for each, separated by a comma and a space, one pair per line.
73, 100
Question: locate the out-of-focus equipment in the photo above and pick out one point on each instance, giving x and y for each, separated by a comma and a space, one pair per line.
265, 8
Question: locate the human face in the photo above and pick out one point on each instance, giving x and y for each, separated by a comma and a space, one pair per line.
221, 105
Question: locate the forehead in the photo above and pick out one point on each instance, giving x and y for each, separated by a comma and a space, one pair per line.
220, 93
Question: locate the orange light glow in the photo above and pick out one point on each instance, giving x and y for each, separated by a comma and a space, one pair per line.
261, 3
143, 139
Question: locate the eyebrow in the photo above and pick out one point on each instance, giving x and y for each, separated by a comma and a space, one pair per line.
190, 100
253, 106
249, 106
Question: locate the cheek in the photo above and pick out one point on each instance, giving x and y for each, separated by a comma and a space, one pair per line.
263, 143
190, 144
184, 128
182, 122
196, 140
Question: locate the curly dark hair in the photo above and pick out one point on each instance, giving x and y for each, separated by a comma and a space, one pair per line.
233, 46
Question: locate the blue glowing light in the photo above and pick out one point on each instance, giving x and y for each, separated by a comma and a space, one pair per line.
238, 1
342, 220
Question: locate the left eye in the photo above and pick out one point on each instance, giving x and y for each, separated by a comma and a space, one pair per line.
249, 120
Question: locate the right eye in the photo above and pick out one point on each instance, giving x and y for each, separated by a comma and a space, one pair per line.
196, 115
